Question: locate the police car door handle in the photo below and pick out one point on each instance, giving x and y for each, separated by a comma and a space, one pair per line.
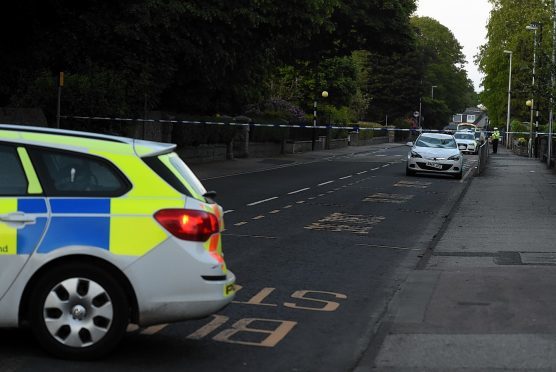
17, 218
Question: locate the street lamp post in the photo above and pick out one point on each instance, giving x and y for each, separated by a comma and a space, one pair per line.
432, 90
534, 26
551, 115
509, 98
324, 94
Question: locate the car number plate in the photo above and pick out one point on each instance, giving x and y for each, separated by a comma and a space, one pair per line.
462, 147
434, 165
229, 290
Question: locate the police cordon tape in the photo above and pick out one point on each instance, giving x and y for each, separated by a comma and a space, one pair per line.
355, 128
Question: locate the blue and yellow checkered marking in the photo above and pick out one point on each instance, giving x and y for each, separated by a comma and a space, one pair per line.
22, 240
121, 226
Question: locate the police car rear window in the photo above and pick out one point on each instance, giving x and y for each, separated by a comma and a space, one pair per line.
166, 174
174, 171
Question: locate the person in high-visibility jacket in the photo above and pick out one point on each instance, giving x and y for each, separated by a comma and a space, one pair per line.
495, 139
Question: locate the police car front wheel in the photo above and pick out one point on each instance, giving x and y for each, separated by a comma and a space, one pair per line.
78, 311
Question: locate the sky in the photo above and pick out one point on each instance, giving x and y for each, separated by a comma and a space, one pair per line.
467, 19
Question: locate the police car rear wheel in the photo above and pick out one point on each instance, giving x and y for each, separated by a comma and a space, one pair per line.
79, 311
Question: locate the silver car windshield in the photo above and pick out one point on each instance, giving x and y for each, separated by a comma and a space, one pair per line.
434, 142
466, 136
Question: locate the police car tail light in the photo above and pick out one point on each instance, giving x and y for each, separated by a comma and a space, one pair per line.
188, 224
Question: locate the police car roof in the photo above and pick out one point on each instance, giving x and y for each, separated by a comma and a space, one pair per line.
86, 139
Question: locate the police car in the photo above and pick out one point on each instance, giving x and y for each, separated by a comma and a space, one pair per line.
97, 232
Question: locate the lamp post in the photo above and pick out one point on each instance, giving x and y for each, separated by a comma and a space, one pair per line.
432, 90
324, 94
534, 26
509, 98
551, 115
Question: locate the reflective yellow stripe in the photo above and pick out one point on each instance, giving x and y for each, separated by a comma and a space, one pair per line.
135, 232
8, 234
85, 143
34, 184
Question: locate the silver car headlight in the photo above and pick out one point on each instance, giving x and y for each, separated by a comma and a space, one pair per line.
454, 157
415, 155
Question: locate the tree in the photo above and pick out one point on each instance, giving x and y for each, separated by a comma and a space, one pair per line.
506, 30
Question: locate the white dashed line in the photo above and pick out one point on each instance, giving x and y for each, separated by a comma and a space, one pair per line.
346, 177
287, 206
325, 183
300, 190
153, 329
274, 211
229, 211
257, 217
262, 201
362, 172
385, 165
377, 168
300, 202
240, 223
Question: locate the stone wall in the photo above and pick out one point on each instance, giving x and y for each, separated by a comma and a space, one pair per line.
203, 153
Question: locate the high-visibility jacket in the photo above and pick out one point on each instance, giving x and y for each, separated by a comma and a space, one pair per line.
496, 135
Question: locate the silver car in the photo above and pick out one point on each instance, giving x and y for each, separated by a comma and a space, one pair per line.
435, 153
466, 142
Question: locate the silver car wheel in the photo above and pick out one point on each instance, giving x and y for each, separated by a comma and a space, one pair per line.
78, 312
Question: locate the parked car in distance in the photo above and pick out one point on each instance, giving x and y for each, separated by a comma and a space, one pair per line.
435, 153
466, 142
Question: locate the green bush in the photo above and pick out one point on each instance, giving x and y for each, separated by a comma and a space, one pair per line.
518, 126
368, 134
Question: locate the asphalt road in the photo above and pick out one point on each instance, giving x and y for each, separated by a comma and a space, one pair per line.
318, 249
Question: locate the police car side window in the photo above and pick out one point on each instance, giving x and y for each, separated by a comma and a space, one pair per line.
13, 181
72, 174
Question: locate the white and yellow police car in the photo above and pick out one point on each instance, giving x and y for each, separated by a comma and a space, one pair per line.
99, 231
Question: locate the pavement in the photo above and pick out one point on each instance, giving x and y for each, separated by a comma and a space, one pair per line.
483, 298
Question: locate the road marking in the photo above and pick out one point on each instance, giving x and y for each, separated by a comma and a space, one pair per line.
363, 172
312, 197
262, 201
343, 222
259, 298
153, 329
287, 206
251, 236
381, 155
325, 183
274, 211
377, 168
321, 195
388, 198
387, 247
300, 202
385, 165
257, 217
415, 184
229, 211
240, 223
346, 177
300, 190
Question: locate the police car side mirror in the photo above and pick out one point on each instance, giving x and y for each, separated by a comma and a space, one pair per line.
410, 144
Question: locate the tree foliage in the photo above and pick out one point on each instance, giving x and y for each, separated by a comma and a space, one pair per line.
506, 30
203, 57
